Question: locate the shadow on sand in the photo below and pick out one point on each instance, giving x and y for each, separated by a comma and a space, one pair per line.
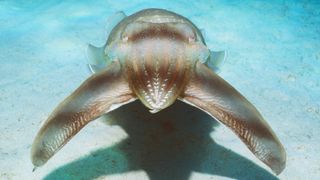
168, 145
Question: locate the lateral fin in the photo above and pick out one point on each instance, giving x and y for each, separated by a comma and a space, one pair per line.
210, 93
112, 21
96, 58
216, 60
101, 93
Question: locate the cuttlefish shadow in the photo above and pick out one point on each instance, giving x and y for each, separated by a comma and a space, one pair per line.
168, 145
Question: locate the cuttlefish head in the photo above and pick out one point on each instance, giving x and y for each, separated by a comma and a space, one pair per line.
157, 57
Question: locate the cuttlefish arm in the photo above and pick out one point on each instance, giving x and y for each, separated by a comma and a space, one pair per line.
210, 93
99, 94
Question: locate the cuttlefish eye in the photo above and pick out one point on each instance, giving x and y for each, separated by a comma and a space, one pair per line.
157, 56
192, 39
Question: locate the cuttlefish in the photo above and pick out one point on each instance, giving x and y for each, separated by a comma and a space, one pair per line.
158, 57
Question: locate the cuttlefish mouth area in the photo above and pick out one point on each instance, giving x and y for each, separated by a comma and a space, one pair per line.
157, 65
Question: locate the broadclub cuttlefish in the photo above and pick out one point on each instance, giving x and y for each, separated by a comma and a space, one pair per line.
157, 56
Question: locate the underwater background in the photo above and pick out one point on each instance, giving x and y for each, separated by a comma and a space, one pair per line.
273, 60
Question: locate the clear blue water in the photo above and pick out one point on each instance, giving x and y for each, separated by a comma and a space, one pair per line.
274, 60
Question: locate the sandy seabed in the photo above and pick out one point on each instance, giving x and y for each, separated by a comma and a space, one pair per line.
274, 60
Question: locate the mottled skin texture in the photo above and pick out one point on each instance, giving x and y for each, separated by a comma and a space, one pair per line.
156, 58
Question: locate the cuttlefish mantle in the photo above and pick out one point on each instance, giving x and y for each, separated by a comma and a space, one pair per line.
156, 56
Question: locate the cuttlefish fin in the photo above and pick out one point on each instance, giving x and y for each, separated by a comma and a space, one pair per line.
204, 33
96, 68
216, 60
113, 20
210, 93
99, 94
97, 60
96, 57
